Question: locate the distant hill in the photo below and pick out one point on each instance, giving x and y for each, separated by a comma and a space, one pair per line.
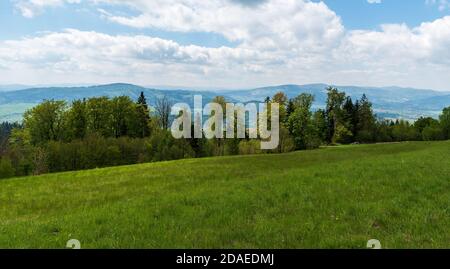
12, 87
36, 95
376, 95
430, 103
14, 103
389, 102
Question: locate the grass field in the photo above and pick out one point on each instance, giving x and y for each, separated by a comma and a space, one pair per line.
336, 197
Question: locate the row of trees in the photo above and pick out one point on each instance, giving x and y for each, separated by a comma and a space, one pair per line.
116, 117
100, 132
344, 121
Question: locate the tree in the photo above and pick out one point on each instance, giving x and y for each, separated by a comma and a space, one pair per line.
428, 129
77, 120
424, 122
333, 111
198, 145
289, 109
99, 116
300, 124
219, 142
142, 100
45, 121
342, 134
5, 132
40, 161
355, 119
444, 120
319, 122
287, 143
365, 129
282, 100
404, 131
432, 133
122, 117
347, 129
221, 101
163, 108
143, 116
384, 131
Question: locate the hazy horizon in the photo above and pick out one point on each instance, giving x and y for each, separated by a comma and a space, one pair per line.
18, 86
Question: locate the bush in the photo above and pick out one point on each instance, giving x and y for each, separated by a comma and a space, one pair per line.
313, 142
342, 135
287, 143
365, 136
6, 168
250, 147
432, 133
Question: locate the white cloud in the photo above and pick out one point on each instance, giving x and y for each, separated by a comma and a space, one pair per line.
397, 43
77, 54
374, 1
279, 41
286, 23
30, 8
251, 21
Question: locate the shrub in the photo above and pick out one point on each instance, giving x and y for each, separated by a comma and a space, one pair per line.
432, 133
250, 147
6, 168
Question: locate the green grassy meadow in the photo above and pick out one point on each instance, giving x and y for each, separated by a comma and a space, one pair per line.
336, 197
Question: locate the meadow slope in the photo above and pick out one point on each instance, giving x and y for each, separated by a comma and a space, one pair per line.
337, 197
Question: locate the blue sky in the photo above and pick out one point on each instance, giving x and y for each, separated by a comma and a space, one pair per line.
85, 17
355, 14
227, 43
359, 14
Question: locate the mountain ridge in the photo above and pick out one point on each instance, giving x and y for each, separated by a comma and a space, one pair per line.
389, 102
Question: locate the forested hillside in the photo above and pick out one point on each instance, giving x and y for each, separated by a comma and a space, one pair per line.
100, 131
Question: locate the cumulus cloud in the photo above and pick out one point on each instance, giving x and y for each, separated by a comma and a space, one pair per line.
76, 53
395, 43
278, 41
281, 22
